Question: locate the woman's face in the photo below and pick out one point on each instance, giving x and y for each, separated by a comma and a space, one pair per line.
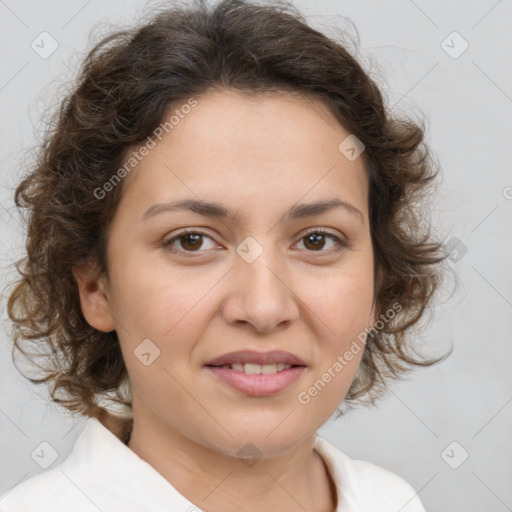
256, 281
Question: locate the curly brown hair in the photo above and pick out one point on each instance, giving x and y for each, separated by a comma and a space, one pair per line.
126, 85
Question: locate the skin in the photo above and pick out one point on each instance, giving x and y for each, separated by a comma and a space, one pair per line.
258, 155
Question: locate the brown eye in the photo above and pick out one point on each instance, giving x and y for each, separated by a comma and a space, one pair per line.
189, 241
316, 240
192, 241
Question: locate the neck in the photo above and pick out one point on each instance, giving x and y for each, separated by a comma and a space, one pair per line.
296, 481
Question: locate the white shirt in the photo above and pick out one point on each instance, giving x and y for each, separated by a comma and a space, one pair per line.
103, 474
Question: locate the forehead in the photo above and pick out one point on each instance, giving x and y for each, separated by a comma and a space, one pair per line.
234, 121
260, 148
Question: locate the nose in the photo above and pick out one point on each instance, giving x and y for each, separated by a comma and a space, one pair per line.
260, 294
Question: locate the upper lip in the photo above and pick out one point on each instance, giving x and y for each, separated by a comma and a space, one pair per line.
252, 356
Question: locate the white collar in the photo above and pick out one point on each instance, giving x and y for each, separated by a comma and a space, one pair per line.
102, 473
98, 447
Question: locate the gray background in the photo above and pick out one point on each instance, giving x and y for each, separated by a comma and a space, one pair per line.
468, 103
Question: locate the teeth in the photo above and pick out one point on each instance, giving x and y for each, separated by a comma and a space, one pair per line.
254, 369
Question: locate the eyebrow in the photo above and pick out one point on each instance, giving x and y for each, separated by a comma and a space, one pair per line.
217, 210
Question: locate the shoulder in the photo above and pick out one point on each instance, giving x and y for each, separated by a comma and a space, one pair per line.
100, 473
364, 486
70, 482
50, 487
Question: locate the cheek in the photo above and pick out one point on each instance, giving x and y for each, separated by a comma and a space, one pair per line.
351, 306
157, 297
342, 308
343, 299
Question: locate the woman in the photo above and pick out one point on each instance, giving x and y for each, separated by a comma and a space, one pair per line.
224, 241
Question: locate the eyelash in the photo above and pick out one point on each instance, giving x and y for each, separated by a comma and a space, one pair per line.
319, 231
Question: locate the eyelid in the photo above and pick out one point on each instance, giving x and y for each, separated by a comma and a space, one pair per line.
324, 231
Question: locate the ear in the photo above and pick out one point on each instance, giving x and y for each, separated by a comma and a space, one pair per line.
92, 287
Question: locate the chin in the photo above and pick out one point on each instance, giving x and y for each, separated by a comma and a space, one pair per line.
260, 440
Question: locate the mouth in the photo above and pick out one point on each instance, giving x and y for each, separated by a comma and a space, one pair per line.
245, 357
256, 373
256, 369
257, 384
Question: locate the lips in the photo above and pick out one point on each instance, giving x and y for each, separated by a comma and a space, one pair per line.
259, 385
263, 358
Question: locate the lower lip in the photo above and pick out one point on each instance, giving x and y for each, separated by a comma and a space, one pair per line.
259, 384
